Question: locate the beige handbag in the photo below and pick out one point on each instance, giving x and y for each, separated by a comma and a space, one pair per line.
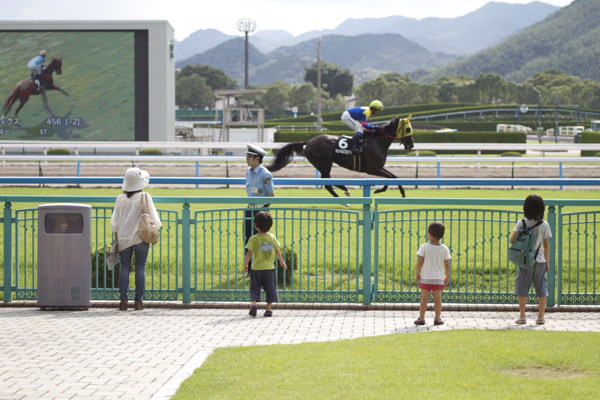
147, 228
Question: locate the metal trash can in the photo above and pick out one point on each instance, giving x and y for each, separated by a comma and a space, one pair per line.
64, 256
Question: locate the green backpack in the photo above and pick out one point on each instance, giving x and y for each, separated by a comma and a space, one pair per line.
522, 252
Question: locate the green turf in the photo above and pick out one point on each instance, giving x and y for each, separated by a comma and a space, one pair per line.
98, 74
467, 364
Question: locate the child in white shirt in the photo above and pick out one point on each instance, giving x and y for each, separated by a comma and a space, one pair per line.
433, 271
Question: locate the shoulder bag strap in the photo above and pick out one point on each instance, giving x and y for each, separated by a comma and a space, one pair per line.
538, 249
144, 204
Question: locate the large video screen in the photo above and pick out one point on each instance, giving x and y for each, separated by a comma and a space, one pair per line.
86, 90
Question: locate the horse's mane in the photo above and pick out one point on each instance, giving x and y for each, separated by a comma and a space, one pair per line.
54, 61
393, 123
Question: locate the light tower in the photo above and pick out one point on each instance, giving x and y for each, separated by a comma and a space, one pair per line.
246, 25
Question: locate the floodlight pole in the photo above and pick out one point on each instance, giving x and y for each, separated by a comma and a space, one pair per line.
246, 25
319, 84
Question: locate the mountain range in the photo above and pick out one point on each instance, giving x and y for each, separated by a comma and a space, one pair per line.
568, 40
463, 35
379, 53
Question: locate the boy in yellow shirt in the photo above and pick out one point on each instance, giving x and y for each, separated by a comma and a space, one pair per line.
264, 246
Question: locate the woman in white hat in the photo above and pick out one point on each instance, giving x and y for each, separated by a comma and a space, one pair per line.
125, 223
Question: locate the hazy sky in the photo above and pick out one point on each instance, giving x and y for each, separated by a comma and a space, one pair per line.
187, 16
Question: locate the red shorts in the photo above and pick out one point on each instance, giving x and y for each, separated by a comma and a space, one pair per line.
431, 288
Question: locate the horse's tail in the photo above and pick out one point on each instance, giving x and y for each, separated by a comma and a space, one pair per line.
11, 99
284, 156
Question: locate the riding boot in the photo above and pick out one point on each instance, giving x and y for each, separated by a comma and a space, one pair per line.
356, 143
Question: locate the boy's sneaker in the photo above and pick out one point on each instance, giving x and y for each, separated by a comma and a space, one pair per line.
268, 313
419, 322
438, 322
253, 310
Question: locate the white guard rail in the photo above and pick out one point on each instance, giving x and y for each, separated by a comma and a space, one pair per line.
403, 159
137, 146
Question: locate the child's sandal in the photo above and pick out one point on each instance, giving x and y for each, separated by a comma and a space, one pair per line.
438, 322
419, 322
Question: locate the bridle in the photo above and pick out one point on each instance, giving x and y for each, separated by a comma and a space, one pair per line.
398, 130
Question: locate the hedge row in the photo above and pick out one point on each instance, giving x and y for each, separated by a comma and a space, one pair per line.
415, 110
426, 137
387, 112
469, 126
589, 137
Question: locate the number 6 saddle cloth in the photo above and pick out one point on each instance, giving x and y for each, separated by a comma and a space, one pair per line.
343, 146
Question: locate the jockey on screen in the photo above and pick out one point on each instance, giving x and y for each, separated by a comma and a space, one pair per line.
36, 65
356, 119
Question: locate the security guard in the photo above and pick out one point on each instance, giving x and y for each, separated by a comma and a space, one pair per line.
259, 183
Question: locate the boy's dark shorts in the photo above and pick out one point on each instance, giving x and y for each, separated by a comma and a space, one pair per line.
535, 274
265, 279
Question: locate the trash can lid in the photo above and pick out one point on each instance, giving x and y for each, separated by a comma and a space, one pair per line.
65, 206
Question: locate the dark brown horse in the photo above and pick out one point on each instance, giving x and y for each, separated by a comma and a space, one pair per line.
324, 150
27, 87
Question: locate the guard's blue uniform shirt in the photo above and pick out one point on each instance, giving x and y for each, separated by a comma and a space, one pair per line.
259, 182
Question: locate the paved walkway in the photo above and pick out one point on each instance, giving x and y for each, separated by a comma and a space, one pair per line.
104, 354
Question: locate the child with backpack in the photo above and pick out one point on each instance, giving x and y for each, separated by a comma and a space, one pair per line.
530, 235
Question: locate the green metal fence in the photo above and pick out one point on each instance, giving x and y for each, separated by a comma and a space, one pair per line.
478, 240
578, 254
331, 252
321, 249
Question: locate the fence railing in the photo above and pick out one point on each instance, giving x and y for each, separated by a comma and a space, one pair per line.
334, 254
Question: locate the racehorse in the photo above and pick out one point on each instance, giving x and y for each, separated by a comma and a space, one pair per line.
27, 87
324, 150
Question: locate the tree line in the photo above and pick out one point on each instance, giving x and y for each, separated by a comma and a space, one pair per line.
195, 87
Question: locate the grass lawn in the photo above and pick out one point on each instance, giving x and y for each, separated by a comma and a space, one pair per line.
467, 364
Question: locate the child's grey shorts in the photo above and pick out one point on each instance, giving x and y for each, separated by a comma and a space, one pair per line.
265, 279
537, 275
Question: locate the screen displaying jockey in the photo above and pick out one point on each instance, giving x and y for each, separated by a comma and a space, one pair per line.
36, 65
357, 119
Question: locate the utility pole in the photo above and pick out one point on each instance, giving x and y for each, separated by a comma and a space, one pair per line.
319, 85
556, 120
246, 25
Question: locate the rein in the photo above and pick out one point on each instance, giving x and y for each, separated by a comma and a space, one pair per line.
390, 136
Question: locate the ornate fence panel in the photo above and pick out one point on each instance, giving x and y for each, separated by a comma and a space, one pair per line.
579, 256
320, 247
162, 269
478, 240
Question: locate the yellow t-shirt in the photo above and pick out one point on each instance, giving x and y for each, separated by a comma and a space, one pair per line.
263, 247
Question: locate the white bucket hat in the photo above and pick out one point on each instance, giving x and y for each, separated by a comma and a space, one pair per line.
135, 179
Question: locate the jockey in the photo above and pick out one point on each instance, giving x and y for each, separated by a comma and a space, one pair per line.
36, 65
356, 119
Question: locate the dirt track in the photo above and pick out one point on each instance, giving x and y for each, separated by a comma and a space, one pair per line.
302, 171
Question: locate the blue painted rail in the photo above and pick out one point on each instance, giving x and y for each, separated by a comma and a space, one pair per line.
366, 184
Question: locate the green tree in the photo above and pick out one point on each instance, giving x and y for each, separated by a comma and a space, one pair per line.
193, 92
492, 88
334, 79
276, 97
216, 78
304, 97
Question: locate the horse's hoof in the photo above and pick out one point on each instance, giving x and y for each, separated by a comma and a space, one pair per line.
347, 193
378, 191
347, 205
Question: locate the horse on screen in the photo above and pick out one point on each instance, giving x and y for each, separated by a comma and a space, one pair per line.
27, 87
